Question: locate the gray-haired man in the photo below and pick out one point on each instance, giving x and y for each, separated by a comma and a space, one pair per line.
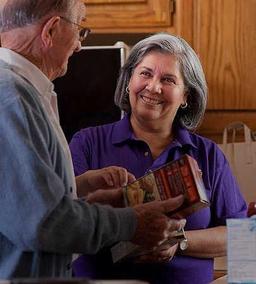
41, 223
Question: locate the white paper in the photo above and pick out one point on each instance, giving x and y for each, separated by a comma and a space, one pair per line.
242, 250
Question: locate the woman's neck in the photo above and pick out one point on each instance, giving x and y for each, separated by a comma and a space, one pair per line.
157, 137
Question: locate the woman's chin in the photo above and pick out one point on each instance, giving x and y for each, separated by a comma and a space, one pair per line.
149, 114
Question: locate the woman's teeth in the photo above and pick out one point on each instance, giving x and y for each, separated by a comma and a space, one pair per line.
151, 100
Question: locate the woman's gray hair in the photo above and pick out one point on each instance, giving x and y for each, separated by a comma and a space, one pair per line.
190, 68
20, 13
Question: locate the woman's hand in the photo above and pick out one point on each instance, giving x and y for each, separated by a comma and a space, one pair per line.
165, 251
162, 254
105, 178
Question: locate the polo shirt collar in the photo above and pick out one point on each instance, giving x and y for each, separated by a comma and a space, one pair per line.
182, 136
123, 131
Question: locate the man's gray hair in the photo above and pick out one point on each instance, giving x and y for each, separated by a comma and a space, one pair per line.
190, 68
20, 13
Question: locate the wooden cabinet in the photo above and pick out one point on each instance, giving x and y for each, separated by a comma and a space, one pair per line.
129, 15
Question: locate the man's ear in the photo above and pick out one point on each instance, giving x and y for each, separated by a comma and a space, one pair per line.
49, 30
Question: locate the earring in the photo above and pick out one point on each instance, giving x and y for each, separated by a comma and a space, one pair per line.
127, 90
183, 106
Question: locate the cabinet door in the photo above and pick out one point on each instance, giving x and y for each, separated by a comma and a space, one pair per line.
128, 15
225, 39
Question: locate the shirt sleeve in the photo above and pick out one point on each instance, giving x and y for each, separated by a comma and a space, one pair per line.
37, 212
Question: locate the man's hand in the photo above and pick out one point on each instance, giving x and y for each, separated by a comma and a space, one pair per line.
154, 226
105, 178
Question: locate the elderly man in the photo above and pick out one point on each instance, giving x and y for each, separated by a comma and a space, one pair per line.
41, 223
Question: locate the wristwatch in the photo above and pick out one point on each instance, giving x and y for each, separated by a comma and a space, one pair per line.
183, 243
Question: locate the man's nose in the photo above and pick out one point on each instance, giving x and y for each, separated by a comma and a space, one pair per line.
78, 47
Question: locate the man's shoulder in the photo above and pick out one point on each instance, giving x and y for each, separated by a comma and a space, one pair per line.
13, 86
7, 72
10, 80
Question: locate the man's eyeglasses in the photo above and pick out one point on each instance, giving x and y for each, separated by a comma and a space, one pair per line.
83, 32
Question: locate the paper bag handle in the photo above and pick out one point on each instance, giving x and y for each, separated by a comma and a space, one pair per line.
236, 126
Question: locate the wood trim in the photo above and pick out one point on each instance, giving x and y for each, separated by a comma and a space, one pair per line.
114, 1
215, 121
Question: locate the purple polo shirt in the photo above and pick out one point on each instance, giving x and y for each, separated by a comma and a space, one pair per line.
115, 144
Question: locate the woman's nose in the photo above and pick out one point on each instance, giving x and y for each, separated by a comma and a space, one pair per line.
154, 86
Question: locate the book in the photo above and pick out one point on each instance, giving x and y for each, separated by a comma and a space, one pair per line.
181, 176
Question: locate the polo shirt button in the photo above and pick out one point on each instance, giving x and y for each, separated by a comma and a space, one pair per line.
146, 154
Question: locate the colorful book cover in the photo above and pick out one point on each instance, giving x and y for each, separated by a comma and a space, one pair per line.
181, 176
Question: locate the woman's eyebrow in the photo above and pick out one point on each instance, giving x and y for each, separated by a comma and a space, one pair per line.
166, 74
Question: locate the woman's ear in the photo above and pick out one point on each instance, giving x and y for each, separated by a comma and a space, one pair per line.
49, 30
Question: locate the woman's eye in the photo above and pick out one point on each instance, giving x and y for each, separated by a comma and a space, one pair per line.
169, 80
145, 73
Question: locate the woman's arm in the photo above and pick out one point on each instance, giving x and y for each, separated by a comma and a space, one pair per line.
206, 243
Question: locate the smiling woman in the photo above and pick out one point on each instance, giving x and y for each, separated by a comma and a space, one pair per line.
162, 90
181, 57
156, 91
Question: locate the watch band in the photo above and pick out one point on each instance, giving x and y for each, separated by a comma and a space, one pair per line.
183, 243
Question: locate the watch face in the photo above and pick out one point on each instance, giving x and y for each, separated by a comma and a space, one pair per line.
183, 244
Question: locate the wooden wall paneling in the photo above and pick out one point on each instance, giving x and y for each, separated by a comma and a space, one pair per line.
225, 39
183, 20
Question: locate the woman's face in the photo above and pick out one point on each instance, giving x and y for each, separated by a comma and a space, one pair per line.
156, 88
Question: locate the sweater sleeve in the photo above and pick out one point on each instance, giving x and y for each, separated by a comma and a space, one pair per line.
37, 212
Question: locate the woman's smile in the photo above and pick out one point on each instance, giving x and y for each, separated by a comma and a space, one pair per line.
150, 100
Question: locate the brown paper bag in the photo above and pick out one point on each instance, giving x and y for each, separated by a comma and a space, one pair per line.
242, 157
